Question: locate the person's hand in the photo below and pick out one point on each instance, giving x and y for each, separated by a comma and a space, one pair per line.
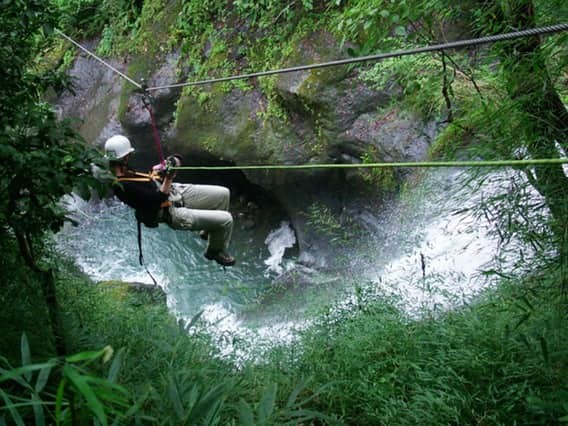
171, 162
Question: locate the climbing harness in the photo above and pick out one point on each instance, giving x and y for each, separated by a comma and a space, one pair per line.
140, 219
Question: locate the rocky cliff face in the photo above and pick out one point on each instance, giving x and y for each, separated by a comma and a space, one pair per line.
330, 116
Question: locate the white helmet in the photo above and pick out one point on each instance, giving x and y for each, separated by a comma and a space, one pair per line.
117, 147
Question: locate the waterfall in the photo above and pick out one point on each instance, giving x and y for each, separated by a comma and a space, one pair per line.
277, 242
428, 250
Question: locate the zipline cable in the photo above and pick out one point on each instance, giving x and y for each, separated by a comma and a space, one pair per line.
437, 47
106, 64
380, 56
474, 163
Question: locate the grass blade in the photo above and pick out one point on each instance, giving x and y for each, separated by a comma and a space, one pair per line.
175, 399
59, 402
42, 378
115, 366
80, 383
246, 416
10, 406
294, 395
38, 410
266, 405
26, 355
16, 373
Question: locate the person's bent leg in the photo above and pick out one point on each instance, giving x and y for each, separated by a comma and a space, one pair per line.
217, 223
207, 197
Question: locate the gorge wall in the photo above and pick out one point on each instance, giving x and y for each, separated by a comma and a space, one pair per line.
324, 115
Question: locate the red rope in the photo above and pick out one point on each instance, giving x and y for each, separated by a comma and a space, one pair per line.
155, 133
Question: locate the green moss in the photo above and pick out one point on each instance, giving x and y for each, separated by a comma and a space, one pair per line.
378, 178
449, 142
138, 69
199, 127
148, 45
60, 56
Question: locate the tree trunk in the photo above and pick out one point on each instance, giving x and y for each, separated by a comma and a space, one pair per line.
47, 281
530, 86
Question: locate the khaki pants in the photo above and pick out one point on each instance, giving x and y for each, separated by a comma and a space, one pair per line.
203, 208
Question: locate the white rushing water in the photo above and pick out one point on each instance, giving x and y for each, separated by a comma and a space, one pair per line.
431, 256
277, 242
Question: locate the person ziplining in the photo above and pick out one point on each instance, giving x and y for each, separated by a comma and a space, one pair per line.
156, 199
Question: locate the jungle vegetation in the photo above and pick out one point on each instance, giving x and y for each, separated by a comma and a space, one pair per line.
76, 353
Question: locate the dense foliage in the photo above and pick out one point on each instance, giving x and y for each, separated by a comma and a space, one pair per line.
501, 361
43, 158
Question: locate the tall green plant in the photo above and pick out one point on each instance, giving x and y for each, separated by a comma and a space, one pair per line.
43, 158
543, 117
62, 391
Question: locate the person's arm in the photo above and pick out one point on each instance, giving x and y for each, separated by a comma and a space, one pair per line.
167, 184
140, 194
170, 175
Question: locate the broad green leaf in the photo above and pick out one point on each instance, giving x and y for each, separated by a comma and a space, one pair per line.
26, 355
12, 409
80, 383
266, 404
85, 356
115, 366
246, 416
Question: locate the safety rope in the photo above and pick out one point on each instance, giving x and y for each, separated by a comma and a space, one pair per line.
380, 56
140, 256
147, 101
473, 163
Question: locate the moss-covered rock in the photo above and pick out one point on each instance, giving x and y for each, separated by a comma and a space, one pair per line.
134, 293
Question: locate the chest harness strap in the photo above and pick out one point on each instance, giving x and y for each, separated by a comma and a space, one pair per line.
142, 177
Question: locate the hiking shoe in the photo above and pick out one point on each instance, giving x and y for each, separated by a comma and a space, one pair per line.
220, 257
204, 235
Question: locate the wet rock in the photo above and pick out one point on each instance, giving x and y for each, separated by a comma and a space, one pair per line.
299, 277
137, 292
395, 137
95, 100
248, 224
